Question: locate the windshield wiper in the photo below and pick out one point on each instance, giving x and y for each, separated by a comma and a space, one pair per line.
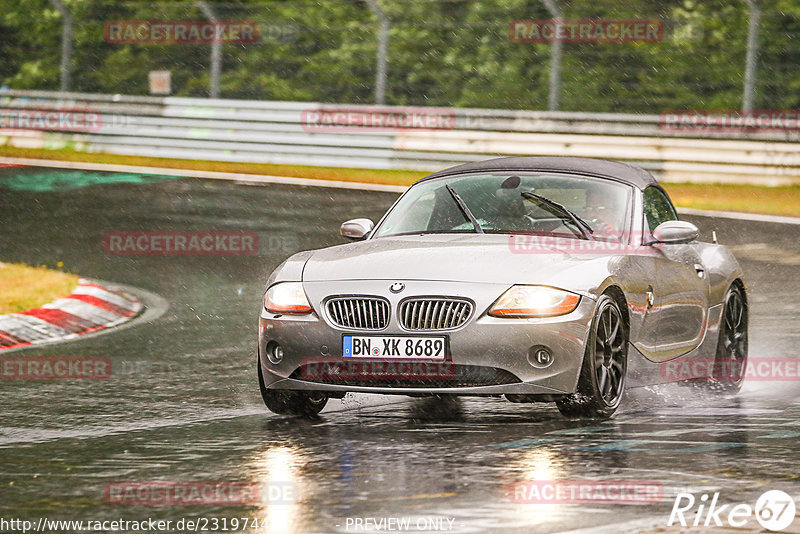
560, 210
464, 209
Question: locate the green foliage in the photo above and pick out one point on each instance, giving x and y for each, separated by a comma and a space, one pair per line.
441, 53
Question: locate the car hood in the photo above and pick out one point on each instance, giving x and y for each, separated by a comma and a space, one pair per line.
486, 258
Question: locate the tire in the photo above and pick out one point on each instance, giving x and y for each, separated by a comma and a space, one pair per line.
730, 360
288, 402
601, 383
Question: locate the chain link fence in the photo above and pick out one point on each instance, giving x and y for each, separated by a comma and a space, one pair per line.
715, 54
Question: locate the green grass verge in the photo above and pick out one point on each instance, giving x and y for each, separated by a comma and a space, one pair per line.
298, 171
23, 287
724, 197
744, 198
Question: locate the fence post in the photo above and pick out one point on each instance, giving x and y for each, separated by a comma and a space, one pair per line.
754, 19
66, 43
383, 51
556, 54
216, 51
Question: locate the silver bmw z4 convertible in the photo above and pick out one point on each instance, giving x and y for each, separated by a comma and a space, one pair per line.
561, 280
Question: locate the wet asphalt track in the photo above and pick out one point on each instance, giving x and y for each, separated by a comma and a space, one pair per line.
182, 403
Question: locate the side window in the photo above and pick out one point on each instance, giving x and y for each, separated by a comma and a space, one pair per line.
657, 208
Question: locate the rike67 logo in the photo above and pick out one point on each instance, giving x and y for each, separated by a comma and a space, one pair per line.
774, 510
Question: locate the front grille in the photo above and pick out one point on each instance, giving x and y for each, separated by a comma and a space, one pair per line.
359, 313
400, 374
432, 313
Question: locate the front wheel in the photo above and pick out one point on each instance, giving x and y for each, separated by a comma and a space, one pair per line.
288, 402
605, 363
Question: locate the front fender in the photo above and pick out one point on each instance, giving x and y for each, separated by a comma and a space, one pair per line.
291, 270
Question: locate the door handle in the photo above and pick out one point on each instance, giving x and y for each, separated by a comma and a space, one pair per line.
701, 271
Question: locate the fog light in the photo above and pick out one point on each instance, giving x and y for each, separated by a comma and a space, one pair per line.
274, 352
540, 357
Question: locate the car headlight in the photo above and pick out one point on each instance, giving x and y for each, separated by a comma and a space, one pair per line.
534, 301
287, 297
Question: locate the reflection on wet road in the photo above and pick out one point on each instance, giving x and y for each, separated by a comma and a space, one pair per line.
182, 403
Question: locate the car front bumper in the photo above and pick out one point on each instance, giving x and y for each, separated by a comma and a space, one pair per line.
482, 343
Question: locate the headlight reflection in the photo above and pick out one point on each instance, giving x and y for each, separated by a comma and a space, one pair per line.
278, 477
541, 465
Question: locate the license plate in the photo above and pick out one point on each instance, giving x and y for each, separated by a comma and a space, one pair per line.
406, 347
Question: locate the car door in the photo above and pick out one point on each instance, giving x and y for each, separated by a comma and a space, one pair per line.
680, 289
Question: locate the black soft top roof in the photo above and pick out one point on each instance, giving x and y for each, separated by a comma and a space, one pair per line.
593, 167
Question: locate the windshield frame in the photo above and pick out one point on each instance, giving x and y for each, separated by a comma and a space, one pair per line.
628, 218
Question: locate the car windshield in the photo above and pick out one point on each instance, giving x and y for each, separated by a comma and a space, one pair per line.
511, 203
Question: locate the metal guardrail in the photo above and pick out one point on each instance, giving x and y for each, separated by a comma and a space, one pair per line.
278, 132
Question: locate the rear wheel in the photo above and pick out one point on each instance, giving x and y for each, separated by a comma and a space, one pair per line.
288, 402
605, 363
731, 356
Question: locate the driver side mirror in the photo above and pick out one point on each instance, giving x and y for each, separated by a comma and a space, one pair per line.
674, 232
356, 228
